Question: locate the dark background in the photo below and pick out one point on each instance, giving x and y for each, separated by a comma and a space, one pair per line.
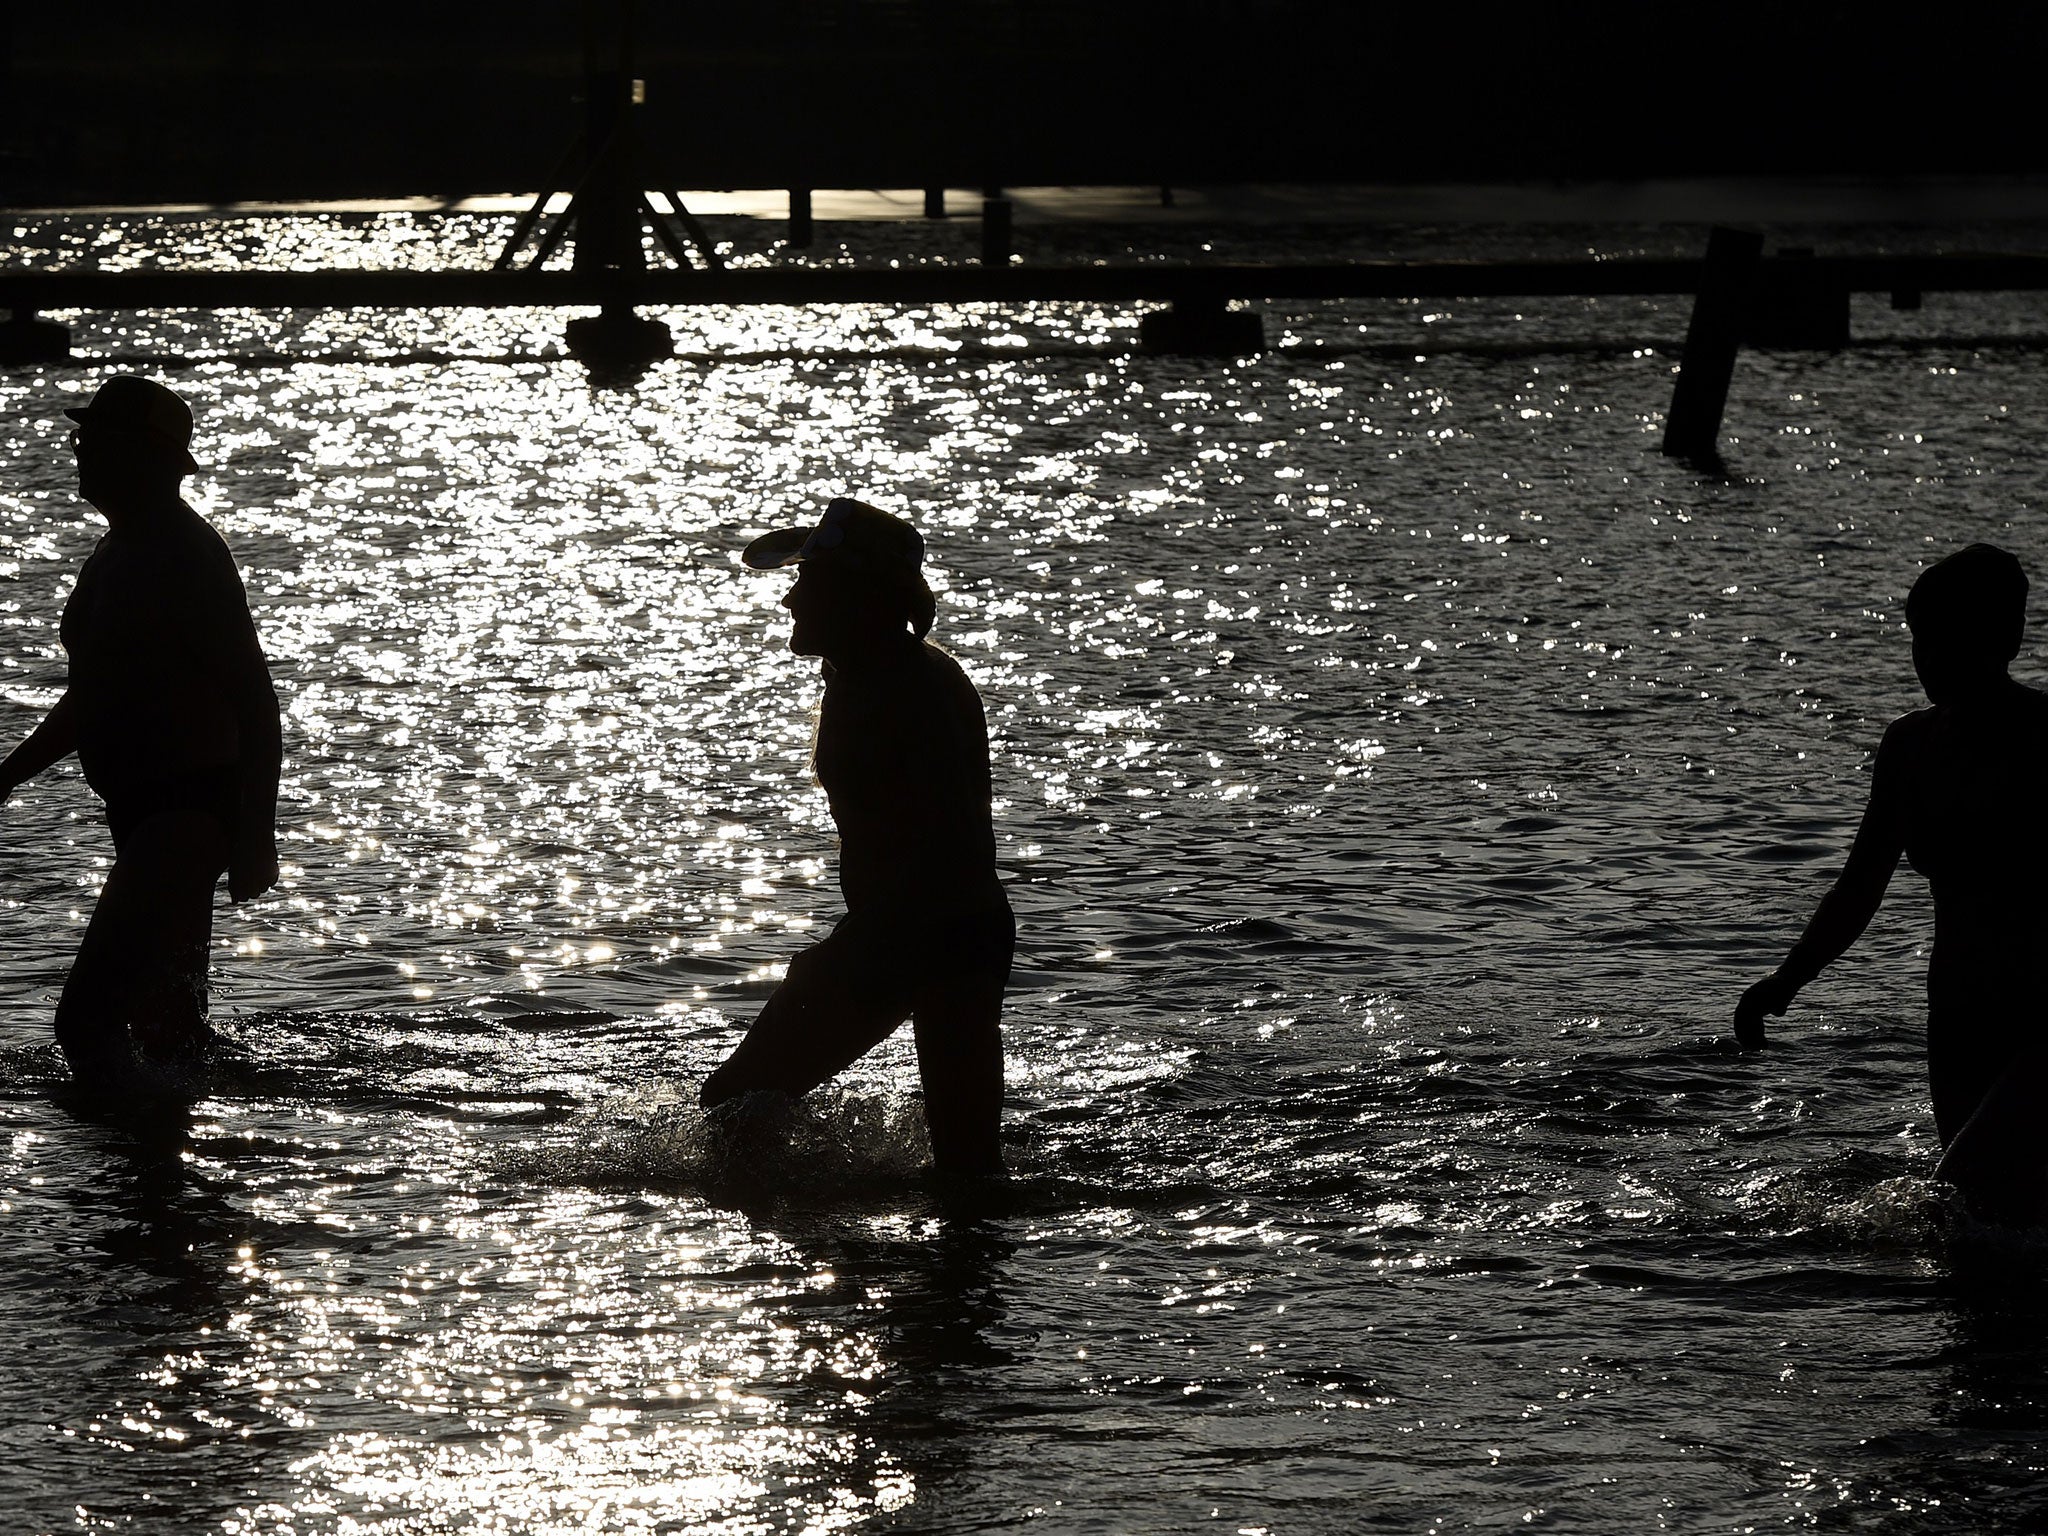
137, 100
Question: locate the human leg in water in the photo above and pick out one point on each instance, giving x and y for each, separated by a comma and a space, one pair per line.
1998, 1159
1987, 1071
138, 983
960, 1063
828, 1013
839, 1002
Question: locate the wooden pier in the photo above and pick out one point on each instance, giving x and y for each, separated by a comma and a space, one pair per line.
1790, 299
1901, 276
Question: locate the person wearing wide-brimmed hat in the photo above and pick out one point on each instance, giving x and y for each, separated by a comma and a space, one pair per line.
170, 708
902, 754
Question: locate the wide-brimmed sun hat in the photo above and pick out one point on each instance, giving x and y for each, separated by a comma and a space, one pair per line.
131, 404
851, 536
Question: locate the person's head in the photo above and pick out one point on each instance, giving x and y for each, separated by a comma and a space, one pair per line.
860, 580
132, 443
1967, 613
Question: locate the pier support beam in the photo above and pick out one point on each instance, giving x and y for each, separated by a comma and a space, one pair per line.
1700, 394
1202, 327
26, 339
935, 202
995, 232
800, 217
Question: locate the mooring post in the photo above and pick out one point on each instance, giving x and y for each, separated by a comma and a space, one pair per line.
1707, 366
1796, 305
1202, 325
995, 231
800, 217
935, 202
26, 339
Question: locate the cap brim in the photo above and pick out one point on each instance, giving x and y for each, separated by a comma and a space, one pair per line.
773, 550
77, 412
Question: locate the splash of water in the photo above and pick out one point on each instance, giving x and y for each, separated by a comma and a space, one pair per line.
831, 1143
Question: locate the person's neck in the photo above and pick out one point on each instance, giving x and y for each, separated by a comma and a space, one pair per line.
1979, 691
859, 652
141, 510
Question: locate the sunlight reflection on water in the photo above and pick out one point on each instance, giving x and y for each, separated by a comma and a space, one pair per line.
1399, 767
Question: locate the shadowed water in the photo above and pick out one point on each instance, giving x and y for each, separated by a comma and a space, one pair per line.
1401, 768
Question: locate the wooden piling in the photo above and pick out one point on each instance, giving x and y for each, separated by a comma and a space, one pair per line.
800, 216
935, 202
1707, 366
995, 232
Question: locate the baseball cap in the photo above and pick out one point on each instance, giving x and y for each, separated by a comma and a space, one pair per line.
131, 403
851, 535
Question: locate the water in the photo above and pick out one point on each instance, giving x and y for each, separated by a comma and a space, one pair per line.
1401, 770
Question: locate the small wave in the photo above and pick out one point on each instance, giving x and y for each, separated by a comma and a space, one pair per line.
829, 1142
1844, 1205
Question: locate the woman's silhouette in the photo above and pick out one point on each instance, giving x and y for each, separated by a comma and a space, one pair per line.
1957, 789
902, 753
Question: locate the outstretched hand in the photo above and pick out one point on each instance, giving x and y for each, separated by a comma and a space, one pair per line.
253, 870
1773, 995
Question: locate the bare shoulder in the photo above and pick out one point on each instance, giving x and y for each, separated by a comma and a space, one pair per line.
1907, 734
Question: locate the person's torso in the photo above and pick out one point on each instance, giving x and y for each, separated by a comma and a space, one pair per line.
903, 759
142, 635
1976, 826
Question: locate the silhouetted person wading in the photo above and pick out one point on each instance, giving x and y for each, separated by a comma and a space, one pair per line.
170, 709
902, 755
1958, 789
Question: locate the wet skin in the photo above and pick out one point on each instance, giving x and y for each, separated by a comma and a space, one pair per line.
902, 754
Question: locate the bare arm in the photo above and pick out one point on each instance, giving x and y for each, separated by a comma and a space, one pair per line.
236, 658
252, 869
252, 866
56, 737
1847, 908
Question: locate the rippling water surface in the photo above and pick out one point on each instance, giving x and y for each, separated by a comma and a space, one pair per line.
1401, 768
